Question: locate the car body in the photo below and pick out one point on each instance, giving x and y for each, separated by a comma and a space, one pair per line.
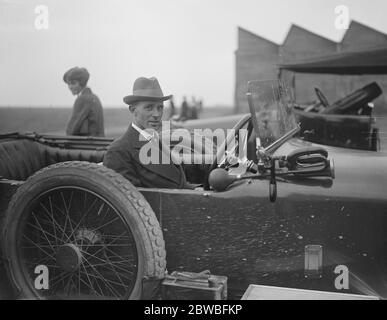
347, 123
239, 232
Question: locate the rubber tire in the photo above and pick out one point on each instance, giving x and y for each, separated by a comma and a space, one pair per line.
128, 201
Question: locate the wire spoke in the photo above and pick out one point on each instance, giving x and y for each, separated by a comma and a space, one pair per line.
41, 245
67, 209
118, 256
52, 214
122, 262
115, 238
119, 237
125, 274
104, 225
44, 233
60, 229
96, 257
102, 277
79, 281
83, 217
47, 233
67, 221
53, 221
68, 285
115, 272
92, 288
37, 246
39, 260
108, 283
101, 220
59, 278
88, 278
114, 266
104, 280
110, 244
95, 279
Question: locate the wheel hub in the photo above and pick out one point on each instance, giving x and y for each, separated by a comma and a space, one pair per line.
69, 257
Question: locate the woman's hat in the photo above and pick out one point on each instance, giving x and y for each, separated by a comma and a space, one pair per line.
76, 73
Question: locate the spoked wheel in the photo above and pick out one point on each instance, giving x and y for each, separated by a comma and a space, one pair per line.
89, 228
81, 238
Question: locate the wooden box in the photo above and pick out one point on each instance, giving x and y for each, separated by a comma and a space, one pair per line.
193, 286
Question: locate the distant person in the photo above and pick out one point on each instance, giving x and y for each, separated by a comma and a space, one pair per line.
184, 112
87, 114
200, 106
172, 107
194, 109
169, 111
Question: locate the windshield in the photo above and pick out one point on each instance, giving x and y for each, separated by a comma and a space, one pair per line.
273, 102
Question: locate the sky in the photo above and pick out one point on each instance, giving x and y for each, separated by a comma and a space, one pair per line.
188, 45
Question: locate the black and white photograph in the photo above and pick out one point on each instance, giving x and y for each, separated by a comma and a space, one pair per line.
219, 151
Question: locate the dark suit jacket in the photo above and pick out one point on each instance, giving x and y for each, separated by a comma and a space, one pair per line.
87, 116
123, 157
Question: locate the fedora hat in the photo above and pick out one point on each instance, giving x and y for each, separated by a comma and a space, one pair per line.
145, 89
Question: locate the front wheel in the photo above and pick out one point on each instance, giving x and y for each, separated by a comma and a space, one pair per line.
88, 228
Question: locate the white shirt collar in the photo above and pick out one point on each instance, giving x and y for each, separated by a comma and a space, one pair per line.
148, 136
80, 92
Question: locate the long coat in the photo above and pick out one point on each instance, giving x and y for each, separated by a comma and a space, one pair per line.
123, 156
87, 116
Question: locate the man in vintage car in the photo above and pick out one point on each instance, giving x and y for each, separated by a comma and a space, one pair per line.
87, 114
123, 155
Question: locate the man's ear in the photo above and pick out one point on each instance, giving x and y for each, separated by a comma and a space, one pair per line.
132, 108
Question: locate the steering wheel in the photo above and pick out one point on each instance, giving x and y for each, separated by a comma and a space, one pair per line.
321, 97
221, 150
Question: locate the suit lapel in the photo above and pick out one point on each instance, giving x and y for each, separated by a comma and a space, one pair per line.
167, 171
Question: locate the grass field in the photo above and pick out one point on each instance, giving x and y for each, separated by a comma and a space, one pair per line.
53, 120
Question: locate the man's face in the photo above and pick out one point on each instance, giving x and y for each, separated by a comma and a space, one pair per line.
147, 114
75, 87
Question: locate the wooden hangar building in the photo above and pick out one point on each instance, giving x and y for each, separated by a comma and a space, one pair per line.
259, 58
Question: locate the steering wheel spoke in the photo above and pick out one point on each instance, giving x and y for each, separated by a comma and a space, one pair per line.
321, 97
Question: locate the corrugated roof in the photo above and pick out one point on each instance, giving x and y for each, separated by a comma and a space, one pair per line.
364, 62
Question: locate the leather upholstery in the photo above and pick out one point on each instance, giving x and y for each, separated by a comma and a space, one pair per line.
19, 159
55, 155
